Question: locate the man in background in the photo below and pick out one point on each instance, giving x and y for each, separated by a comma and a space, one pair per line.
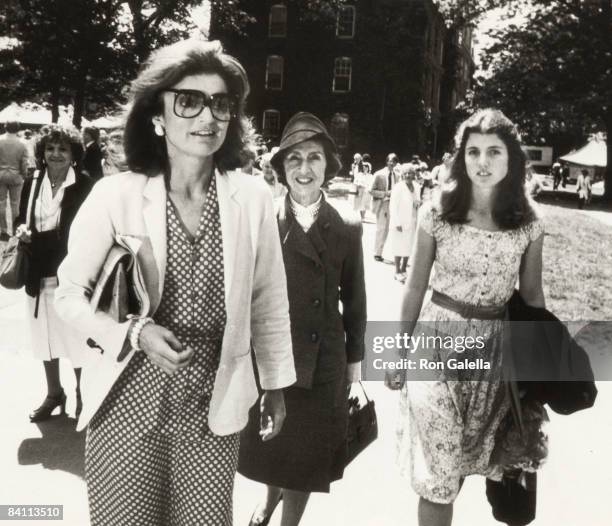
13, 170
92, 160
384, 179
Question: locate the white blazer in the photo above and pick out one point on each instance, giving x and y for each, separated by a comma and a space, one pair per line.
130, 209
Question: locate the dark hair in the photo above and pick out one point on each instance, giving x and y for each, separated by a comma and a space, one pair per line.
60, 133
93, 132
146, 152
512, 207
12, 127
331, 168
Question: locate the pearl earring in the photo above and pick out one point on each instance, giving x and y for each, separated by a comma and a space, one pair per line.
158, 129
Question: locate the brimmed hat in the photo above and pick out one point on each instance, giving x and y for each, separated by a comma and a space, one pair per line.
305, 127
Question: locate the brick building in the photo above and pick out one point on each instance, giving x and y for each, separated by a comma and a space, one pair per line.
373, 72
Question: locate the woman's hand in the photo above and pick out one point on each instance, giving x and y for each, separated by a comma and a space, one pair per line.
395, 380
272, 408
23, 234
163, 349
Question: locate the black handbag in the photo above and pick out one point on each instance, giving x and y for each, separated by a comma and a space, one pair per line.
513, 498
362, 426
14, 264
15, 260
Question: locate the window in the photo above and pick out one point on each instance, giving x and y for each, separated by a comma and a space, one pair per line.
345, 22
277, 26
274, 72
534, 155
342, 75
339, 129
271, 123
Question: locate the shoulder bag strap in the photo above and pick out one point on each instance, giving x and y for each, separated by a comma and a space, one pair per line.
29, 210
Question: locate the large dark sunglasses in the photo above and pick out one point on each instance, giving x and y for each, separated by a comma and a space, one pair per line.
189, 103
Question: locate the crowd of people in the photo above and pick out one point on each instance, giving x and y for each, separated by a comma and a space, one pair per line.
253, 313
102, 155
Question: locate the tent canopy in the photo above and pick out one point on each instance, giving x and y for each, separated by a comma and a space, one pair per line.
33, 114
591, 154
108, 122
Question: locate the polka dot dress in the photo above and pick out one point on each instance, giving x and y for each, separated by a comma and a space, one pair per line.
150, 457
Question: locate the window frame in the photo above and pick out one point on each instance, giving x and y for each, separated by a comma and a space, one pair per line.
265, 130
283, 19
337, 76
346, 118
354, 17
281, 59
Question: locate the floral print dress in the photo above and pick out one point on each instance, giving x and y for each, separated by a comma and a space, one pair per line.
447, 427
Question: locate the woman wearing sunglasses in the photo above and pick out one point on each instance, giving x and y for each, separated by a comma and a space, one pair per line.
173, 388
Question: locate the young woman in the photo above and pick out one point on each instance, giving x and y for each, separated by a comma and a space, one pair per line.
481, 238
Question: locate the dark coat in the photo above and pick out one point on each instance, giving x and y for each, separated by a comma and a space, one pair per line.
48, 249
550, 365
92, 161
324, 266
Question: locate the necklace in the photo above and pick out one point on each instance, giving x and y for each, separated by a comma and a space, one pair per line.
56, 182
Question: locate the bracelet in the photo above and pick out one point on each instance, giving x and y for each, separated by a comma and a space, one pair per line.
139, 324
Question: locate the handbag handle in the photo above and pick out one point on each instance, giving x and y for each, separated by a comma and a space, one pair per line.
364, 392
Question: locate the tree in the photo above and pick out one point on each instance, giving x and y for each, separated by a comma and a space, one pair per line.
235, 15
83, 51
553, 74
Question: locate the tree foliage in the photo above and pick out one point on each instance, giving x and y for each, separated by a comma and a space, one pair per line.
83, 51
235, 16
553, 74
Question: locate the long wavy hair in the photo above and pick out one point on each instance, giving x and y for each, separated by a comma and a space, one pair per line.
512, 207
145, 152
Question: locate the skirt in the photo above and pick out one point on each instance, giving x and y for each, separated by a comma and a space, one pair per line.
51, 336
310, 451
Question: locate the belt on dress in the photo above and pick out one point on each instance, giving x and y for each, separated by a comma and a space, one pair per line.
472, 312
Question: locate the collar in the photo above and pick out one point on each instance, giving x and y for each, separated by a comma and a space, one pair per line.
301, 209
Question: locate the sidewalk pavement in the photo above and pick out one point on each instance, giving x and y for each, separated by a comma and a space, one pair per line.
43, 464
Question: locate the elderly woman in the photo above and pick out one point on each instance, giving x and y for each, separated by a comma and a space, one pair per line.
172, 389
49, 202
402, 219
114, 158
269, 176
324, 263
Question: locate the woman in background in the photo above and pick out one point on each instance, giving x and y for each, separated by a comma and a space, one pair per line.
402, 219
49, 203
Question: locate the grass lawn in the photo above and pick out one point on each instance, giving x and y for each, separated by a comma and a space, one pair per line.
577, 265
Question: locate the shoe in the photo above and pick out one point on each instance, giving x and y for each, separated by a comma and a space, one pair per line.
79, 405
4, 236
264, 520
378, 258
48, 406
400, 277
